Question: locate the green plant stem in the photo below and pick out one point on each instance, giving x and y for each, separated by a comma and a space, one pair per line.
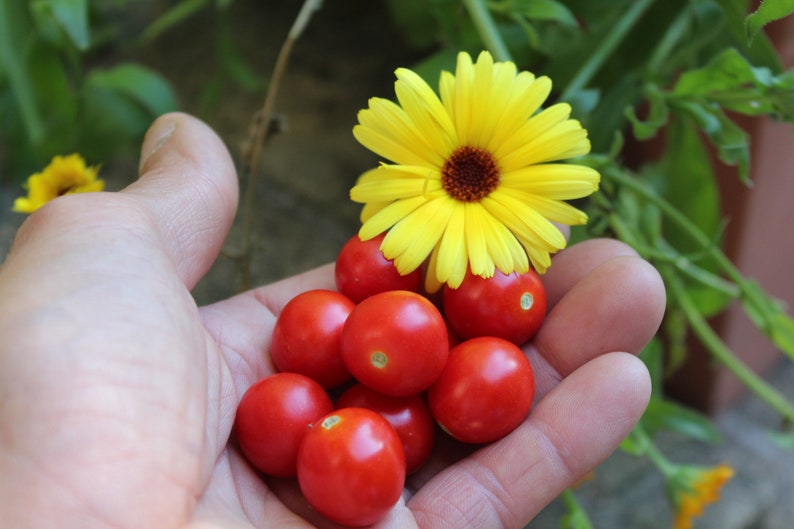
671, 37
577, 517
605, 48
261, 130
664, 252
699, 325
652, 452
723, 353
486, 27
687, 225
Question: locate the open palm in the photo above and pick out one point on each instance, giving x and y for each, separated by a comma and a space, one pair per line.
117, 393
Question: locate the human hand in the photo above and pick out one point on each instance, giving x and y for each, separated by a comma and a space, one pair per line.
118, 394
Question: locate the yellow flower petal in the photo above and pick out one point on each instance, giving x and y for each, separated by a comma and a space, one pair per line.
427, 112
526, 96
493, 103
392, 121
480, 261
512, 209
412, 239
462, 103
386, 146
556, 181
392, 182
507, 252
451, 260
531, 130
564, 140
369, 209
553, 210
389, 216
481, 107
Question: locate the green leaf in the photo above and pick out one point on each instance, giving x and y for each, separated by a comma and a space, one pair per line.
666, 415
657, 115
575, 517
233, 62
70, 16
731, 81
781, 332
768, 11
52, 84
174, 16
731, 141
419, 21
728, 71
14, 37
637, 442
137, 83
545, 10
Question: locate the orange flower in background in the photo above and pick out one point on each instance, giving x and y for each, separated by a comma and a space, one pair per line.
64, 175
692, 488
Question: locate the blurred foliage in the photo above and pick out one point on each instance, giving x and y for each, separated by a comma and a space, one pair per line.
66, 87
665, 89
56, 97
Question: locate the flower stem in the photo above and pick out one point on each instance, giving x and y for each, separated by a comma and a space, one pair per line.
696, 320
577, 517
487, 29
723, 353
671, 37
261, 130
748, 293
652, 452
605, 48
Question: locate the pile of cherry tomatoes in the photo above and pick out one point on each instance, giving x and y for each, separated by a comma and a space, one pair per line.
365, 373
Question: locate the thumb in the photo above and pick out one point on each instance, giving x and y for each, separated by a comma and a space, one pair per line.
188, 185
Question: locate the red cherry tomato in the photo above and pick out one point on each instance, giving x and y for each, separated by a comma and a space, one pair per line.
507, 306
273, 416
306, 336
395, 342
351, 467
485, 391
361, 270
409, 416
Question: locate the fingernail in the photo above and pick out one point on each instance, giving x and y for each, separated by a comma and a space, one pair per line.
158, 135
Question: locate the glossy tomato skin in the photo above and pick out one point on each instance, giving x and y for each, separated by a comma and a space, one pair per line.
361, 270
351, 467
511, 306
409, 416
273, 416
306, 336
485, 391
395, 342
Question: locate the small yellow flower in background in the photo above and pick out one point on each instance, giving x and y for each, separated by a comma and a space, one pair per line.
64, 175
472, 184
692, 488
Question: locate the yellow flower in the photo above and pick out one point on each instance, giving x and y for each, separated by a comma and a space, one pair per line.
472, 183
64, 175
692, 488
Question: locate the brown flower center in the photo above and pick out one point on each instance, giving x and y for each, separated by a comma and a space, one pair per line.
469, 174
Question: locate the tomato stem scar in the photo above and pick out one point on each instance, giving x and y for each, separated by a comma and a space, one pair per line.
379, 360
